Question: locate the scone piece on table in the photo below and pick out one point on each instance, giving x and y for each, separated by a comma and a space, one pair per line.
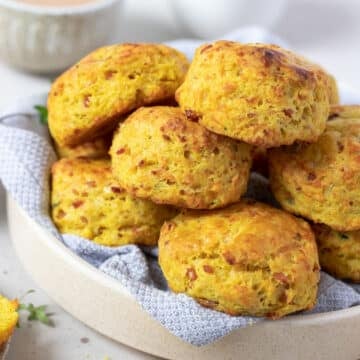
261, 94
90, 98
246, 259
158, 154
87, 201
339, 252
321, 181
8, 319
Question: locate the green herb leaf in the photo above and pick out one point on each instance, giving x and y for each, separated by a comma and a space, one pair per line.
343, 236
43, 114
37, 313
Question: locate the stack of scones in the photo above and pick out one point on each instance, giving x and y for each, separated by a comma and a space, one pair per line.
183, 140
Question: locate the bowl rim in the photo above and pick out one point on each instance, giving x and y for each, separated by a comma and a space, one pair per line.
79, 9
90, 271
129, 324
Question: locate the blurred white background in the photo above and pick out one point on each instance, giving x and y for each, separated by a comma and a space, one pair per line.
327, 31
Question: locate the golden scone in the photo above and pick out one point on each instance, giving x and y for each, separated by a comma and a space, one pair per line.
261, 94
339, 252
344, 112
321, 181
88, 202
90, 98
176, 161
246, 259
333, 91
8, 318
98, 148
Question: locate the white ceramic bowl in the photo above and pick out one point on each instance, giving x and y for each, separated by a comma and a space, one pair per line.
103, 304
49, 39
213, 18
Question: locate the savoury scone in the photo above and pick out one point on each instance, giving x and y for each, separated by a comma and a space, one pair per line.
176, 161
333, 91
339, 252
97, 148
90, 98
321, 181
8, 318
246, 259
344, 112
88, 202
261, 94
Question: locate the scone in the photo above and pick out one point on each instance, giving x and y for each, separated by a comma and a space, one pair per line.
160, 155
321, 181
246, 259
339, 252
344, 112
333, 91
261, 94
98, 148
8, 318
90, 98
88, 202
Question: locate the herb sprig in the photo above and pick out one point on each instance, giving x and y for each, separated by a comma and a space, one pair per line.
43, 114
36, 313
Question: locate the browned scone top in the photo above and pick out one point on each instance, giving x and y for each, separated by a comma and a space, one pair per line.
90, 98
258, 93
158, 154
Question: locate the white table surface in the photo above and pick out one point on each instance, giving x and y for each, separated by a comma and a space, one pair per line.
326, 31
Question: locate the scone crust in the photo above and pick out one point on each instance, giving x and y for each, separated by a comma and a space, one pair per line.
8, 318
88, 202
158, 154
320, 181
261, 94
97, 148
339, 252
90, 98
246, 259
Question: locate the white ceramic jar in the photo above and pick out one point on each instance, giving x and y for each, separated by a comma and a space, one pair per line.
49, 39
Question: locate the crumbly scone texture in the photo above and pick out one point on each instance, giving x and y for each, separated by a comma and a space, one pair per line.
344, 112
320, 181
246, 259
8, 318
97, 148
87, 201
176, 161
90, 98
333, 90
261, 94
339, 252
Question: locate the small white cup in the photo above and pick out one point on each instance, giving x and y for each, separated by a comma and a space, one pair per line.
213, 18
46, 39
